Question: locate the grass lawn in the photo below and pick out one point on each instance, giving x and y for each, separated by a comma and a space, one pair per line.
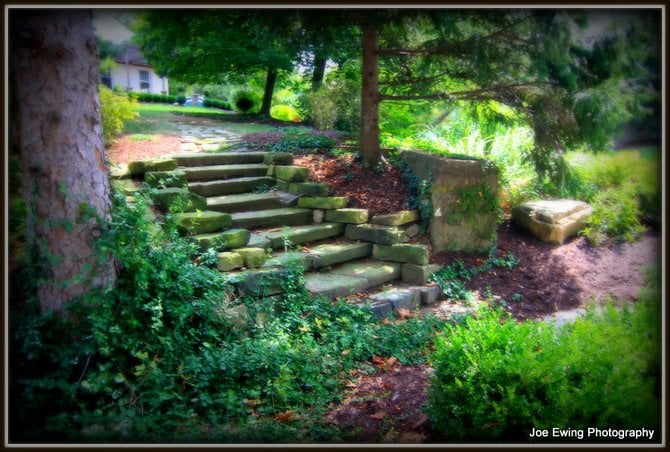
158, 119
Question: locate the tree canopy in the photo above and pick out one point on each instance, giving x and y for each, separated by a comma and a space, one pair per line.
572, 85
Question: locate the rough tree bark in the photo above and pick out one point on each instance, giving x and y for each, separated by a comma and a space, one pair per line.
370, 98
270, 81
56, 130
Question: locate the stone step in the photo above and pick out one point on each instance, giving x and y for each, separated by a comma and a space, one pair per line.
272, 218
244, 202
230, 186
329, 254
351, 278
302, 234
321, 256
225, 158
199, 173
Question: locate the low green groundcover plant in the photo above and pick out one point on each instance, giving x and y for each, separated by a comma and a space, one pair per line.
297, 140
159, 358
496, 379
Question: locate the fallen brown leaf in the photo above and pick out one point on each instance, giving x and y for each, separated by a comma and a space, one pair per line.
379, 415
411, 437
286, 416
404, 314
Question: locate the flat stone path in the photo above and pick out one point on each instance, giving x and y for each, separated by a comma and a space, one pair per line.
202, 138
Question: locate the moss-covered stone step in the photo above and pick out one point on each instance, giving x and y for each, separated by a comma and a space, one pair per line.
382, 235
418, 274
307, 188
412, 253
324, 203
261, 283
397, 218
351, 216
291, 173
199, 173
202, 222
231, 186
298, 235
224, 158
256, 219
352, 278
180, 199
140, 167
330, 254
175, 178
289, 259
222, 241
278, 158
243, 202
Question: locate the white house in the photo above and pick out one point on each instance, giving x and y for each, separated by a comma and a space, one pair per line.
132, 73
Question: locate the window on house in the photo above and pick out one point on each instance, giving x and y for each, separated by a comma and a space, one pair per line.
144, 79
106, 78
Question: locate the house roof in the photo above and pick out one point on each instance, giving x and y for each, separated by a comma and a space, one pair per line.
132, 55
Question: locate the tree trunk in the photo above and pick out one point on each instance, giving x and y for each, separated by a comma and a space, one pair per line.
370, 98
57, 133
269, 91
319, 71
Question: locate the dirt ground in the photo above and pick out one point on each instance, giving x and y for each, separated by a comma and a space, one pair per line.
387, 406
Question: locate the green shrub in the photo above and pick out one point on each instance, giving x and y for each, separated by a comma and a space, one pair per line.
244, 101
117, 108
285, 113
216, 103
160, 358
495, 379
181, 99
616, 213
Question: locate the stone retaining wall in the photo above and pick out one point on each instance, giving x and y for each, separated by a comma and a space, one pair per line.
464, 199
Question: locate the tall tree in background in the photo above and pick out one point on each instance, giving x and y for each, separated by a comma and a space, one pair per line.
571, 91
56, 132
214, 45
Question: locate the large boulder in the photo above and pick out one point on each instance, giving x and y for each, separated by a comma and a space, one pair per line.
463, 197
552, 221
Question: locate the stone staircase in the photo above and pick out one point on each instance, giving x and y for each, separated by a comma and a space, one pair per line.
261, 215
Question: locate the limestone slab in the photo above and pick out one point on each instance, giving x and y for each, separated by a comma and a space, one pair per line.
326, 202
331, 254
552, 221
303, 234
383, 235
418, 274
202, 222
180, 199
221, 241
402, 252
349, 216
397, 218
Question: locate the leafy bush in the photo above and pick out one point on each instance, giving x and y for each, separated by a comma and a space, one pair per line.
623, 189
297, 140
285, 113
162, 357
616, 213
117, 108
244, 101
181, 99
216, 103
155, 98
496, 379
336, 105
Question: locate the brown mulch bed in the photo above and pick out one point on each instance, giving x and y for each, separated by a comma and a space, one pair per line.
552, 278
125, 150
379, 192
